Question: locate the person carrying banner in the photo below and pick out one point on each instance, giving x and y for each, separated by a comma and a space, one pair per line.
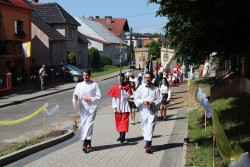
87, 96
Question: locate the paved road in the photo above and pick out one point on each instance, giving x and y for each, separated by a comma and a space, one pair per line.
168, 142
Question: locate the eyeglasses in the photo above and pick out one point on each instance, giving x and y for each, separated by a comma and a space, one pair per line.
147, 77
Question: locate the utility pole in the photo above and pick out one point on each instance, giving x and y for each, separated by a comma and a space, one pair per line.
121, 47
131, 47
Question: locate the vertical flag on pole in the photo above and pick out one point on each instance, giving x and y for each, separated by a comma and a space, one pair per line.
27, 49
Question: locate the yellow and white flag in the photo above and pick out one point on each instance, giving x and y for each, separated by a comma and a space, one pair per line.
27, 49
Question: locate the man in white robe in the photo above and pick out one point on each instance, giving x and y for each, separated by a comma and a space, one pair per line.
147, 98
86, 97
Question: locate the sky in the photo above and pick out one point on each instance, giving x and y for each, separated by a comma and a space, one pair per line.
140, 16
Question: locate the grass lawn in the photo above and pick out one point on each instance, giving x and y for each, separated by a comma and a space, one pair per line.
107, 70
234, 117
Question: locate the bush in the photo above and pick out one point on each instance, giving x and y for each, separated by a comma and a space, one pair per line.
94, 58
106, 60
71, 58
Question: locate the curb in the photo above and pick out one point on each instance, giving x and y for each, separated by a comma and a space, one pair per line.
12, 157
184, 152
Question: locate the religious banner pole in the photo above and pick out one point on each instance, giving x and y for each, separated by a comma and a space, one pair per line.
120, 47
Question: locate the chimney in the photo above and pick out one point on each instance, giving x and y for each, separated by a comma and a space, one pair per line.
91, 18
35, 1
97, 17
108, 19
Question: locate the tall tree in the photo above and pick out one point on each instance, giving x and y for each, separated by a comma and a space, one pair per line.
197, 28
154, 48
94, 58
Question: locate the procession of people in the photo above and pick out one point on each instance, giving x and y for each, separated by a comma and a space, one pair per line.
145, 95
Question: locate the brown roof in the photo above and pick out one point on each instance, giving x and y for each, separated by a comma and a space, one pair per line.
116, 25
146, 42
16, 3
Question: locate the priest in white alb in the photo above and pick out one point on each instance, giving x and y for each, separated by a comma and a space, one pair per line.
86, 97
147, 99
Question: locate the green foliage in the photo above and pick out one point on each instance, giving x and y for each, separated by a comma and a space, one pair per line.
94, 58
154, 48
198, 28
234, 117
106, 60
71, 58
21, 146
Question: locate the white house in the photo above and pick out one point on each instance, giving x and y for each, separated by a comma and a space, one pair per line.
102, 39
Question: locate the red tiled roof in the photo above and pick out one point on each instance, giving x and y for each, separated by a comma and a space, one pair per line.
117, 25
146, 42
16, 3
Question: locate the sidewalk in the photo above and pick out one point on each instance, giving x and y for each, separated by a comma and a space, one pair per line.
168, 141
33, 94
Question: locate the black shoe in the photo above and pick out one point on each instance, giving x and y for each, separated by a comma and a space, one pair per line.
148, 150
84, 149
119, 138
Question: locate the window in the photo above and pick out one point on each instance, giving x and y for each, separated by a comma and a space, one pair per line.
18, 28
71, 33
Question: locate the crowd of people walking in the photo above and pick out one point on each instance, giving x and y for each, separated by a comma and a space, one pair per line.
144, 95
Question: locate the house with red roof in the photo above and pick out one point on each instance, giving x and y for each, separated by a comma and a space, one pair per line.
118, 26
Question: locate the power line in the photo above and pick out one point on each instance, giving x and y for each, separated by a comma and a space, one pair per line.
140, 15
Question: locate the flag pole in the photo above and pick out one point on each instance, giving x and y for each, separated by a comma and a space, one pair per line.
58, 121
120, 47
44, 124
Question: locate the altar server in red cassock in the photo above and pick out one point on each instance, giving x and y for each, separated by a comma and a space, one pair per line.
120, 93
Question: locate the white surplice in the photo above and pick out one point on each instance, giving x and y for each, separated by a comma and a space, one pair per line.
148, 115
87, 110
124, 105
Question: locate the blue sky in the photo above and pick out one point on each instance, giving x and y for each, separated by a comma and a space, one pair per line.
141, 17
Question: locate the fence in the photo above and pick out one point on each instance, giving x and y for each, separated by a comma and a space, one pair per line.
12, 83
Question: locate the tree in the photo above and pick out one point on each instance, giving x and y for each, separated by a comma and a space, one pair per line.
154, 48
105, 60
197, 28
71, 58
94, 58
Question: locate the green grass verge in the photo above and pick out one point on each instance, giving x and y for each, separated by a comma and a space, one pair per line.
107, 70
22, 145
234, 116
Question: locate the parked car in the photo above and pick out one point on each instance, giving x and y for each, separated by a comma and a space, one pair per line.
72, 73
